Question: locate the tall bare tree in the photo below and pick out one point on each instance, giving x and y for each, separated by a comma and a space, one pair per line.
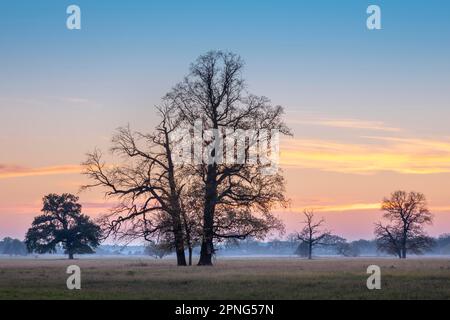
236, 198
313, 233
144, 182
407, 214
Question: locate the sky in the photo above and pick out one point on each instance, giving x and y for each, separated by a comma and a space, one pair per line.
369, 109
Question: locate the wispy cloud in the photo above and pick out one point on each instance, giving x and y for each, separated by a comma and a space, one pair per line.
49, 101
430, 144
358, 206
14, 171
400, 155
348, 124
90, 208
339, 207
78, 101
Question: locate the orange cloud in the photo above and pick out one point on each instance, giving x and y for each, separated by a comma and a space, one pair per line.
336, 207
400, 155
355, 207
12, 171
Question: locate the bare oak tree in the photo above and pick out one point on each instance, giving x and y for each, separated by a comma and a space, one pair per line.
145, 184
313, 233
236, 198
213, 200
407, 214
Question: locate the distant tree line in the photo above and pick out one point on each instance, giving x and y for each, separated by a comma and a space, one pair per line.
13, 247
344, 248
250, 246
62, 227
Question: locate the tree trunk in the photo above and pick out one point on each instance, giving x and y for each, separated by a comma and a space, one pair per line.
404, 240
207, 248
179, 241
70, 256
190, 255
175, 206
206, 254
187, 231
181, 258
310, 251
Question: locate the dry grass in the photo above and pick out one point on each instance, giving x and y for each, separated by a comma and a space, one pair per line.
280, 278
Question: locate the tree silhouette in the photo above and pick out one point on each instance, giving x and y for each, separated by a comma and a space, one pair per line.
161, 198
62, 222
236, 197
312, 234
407, 214
145, 183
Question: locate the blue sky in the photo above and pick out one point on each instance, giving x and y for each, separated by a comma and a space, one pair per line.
292, 48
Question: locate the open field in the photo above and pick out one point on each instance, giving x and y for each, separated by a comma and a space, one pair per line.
264, 278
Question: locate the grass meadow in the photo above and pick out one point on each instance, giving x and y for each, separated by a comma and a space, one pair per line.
230, 278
